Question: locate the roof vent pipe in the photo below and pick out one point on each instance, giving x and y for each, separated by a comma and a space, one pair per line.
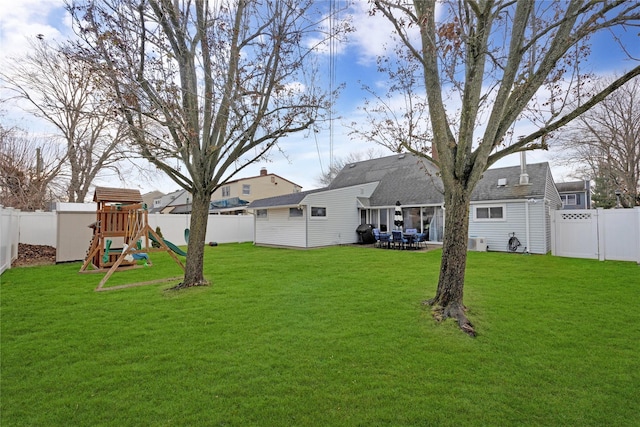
524, 177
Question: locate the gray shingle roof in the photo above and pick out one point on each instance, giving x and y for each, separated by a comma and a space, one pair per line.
488, 189
573, 186
292, 199
414, 181
399, 176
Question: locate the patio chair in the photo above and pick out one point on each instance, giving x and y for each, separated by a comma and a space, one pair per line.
376, 235
421, 238
398, 240
384, 240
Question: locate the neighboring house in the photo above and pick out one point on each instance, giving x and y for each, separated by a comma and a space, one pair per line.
233, 197
575, 194
176, 202
366, 193
148, 198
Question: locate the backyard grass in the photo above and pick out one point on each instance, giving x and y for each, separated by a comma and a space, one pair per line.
327, 337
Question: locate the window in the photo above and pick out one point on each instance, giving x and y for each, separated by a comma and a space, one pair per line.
226, 191
569, 199
246, 189
489, 213
295, 212
318, 212
261, 213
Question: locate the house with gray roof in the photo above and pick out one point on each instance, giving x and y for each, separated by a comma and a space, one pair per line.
519, 200
575, 194
507, 200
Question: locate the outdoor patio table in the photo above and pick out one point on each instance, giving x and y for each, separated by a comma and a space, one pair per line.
411, 238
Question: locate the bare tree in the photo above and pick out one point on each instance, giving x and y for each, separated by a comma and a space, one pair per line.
67, 94
213, 85
399, 115
339, 163
484, 66
605, 142
29, 169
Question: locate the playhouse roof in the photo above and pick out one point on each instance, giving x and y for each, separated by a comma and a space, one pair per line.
117, 195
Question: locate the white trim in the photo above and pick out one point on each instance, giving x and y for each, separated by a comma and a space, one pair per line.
506, 201
317, 217
296, 217
489, 206
262, 218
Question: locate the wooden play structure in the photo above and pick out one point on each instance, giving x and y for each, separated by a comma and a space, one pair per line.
121, 235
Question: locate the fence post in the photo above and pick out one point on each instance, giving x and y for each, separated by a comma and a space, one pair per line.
554, 215
5, 247
601, 233
637, 211
9, 236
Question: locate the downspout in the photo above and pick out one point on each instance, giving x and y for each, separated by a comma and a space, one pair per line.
526, 224
306, 214
524, 180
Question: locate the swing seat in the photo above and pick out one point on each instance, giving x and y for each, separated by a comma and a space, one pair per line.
186, 235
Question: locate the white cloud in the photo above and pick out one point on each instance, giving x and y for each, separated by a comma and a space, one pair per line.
23, 20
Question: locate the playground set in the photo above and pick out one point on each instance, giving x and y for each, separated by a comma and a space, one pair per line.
121, 236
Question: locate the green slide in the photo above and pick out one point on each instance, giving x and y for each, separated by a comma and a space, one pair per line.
171, 246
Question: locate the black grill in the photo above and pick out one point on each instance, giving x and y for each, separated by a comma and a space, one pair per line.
365, 234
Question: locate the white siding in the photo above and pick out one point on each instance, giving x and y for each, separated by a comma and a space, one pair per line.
280, 230
539, 238
497, 233
338, 227
552, 202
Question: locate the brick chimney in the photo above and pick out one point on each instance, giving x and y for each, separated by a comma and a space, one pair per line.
263, 172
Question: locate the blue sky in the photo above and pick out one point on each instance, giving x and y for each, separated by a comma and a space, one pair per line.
306, 157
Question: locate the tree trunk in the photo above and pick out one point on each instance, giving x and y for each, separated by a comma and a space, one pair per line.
448, 300
193, 275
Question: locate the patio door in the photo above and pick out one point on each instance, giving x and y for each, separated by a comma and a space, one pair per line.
384, 223
433, 223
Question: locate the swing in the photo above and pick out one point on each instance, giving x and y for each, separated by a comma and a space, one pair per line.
186, 230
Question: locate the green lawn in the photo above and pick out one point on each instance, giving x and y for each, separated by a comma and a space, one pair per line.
326, 337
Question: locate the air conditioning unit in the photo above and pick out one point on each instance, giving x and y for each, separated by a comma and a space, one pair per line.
478, 244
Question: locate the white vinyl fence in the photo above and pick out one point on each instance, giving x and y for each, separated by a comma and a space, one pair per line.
38, 228
604, 234
9, 236
41, 228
